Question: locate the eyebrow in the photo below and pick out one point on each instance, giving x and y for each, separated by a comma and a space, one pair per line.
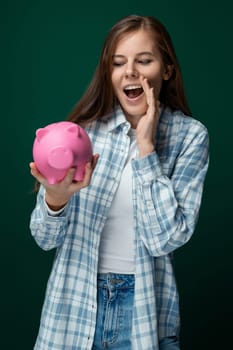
138, 54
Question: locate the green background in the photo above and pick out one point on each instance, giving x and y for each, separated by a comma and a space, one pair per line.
49, 50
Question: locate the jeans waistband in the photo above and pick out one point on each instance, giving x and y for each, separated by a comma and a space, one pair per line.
116, 280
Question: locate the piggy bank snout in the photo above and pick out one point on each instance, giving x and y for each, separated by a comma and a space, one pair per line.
60, 158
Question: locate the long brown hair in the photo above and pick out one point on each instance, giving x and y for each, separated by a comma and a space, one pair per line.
99, 98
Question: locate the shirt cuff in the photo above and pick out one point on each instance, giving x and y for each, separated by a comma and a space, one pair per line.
53, 212
148, 168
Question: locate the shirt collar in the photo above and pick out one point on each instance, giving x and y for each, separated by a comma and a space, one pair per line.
117, 119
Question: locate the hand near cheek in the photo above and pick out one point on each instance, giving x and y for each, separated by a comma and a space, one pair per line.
147, 126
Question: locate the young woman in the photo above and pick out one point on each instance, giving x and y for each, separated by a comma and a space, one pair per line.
112, 284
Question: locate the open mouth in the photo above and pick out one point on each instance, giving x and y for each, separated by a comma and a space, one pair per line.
133, 91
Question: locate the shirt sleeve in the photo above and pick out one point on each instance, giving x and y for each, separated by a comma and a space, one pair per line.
167, 207
47, 228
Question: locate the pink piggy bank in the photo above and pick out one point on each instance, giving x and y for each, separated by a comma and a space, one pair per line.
60, 146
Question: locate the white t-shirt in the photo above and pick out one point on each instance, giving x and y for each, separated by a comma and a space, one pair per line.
116, 252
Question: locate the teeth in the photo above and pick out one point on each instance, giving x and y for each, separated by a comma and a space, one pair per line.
132, 87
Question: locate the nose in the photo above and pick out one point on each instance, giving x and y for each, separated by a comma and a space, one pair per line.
131, 71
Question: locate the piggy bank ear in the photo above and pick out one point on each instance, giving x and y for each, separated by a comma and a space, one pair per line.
40, 133
73, 129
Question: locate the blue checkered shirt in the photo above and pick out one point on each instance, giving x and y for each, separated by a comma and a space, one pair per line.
167, 192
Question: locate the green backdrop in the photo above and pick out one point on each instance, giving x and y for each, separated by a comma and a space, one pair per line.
49, 50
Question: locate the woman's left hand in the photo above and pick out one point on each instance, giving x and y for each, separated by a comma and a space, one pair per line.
148, 123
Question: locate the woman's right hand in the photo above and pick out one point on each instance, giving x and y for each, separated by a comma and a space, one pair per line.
57, 195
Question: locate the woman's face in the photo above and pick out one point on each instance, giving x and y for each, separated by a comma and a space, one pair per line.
136, 56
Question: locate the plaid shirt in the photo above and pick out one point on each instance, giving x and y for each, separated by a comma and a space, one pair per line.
167, 192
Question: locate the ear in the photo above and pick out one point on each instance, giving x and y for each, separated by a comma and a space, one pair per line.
168, 72
40, 133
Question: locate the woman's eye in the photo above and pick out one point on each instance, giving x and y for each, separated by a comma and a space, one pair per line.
145, 61
117, 64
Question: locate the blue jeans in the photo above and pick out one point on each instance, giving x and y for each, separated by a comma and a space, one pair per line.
114, 315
